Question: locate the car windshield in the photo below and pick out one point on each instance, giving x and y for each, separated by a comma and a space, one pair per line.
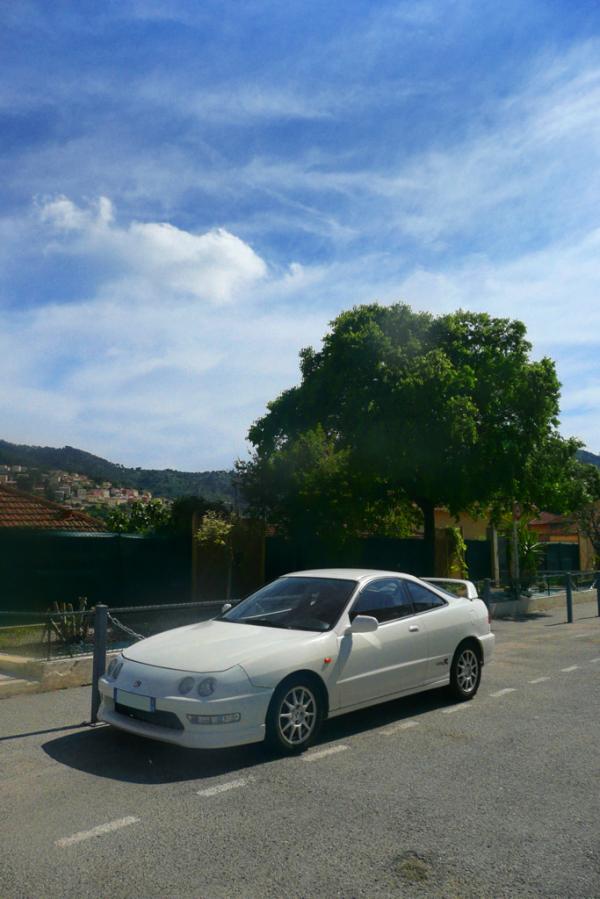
296, 603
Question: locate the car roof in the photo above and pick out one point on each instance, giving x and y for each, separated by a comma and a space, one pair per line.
353, 574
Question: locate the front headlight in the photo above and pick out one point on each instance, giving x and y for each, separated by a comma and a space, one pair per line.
114, 667
206, 687
186, 685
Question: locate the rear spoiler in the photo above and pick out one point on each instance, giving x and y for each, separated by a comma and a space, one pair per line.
469, 586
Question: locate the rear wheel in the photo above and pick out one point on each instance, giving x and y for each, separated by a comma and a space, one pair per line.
465, 673
295, 715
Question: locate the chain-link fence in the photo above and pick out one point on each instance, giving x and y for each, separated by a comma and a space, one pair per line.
128, 624
66, 633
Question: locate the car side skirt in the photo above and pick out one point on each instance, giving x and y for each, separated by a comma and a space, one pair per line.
389, 697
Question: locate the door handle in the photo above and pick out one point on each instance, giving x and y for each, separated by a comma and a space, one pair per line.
412, 628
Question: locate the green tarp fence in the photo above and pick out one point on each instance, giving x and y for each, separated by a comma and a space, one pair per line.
39, 568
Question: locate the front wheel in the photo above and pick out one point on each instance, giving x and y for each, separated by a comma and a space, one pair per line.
465, 674
294, 717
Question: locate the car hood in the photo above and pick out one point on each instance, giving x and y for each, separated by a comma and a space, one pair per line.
216, 645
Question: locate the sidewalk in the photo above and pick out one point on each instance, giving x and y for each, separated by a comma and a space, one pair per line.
510, 608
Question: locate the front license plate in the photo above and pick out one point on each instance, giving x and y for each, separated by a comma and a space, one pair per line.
134, 700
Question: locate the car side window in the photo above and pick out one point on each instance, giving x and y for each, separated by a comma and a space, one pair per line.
383, 599
423, 599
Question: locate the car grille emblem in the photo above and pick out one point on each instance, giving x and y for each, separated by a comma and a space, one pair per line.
137, 683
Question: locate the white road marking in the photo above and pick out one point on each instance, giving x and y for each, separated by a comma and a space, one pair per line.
580, 635
572, 668
313, 756
223, 788
539, 680
504, 691
96, 831
404, 725
456, 708
595, 660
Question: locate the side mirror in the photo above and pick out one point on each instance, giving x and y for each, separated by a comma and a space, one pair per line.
363, 624
226, 607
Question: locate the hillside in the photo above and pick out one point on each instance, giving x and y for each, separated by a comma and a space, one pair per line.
590, 458
212, 485
169, 483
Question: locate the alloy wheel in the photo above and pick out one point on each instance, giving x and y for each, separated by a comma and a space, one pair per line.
467, 671
297, 716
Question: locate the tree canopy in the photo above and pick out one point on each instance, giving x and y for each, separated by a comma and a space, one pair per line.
402, 408
161, 518
140, 518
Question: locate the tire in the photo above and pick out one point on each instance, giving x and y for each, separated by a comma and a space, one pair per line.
295, 715
465, 673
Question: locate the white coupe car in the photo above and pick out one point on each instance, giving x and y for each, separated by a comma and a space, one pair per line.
309, 646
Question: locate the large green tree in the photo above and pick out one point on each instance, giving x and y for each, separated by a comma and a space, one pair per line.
310, 484
410, 408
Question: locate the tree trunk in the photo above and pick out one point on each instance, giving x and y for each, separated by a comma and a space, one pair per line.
428, 510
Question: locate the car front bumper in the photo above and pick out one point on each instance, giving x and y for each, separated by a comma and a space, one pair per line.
250, 704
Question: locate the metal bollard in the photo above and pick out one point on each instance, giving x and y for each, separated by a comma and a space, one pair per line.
99, 662
569, 586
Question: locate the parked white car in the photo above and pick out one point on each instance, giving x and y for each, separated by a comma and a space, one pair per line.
309, 646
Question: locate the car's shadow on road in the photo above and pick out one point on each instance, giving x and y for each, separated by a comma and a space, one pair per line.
107, 752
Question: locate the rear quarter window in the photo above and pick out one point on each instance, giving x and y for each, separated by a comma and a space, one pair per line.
422, 598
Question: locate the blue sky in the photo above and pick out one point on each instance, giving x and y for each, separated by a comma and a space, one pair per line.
192, 191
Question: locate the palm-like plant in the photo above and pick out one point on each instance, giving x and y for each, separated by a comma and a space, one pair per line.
530, 554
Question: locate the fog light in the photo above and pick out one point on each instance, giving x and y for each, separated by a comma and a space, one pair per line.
231, 718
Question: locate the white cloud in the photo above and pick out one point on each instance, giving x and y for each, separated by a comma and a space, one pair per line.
527, 166
554, 290
155, 258
170, 360
64, 215
235, 103
146, 385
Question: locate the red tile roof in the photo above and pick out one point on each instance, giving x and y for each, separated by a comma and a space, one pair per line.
557, 525
549, 518
24, 510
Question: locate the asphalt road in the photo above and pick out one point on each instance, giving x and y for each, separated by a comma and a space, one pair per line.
497, 797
